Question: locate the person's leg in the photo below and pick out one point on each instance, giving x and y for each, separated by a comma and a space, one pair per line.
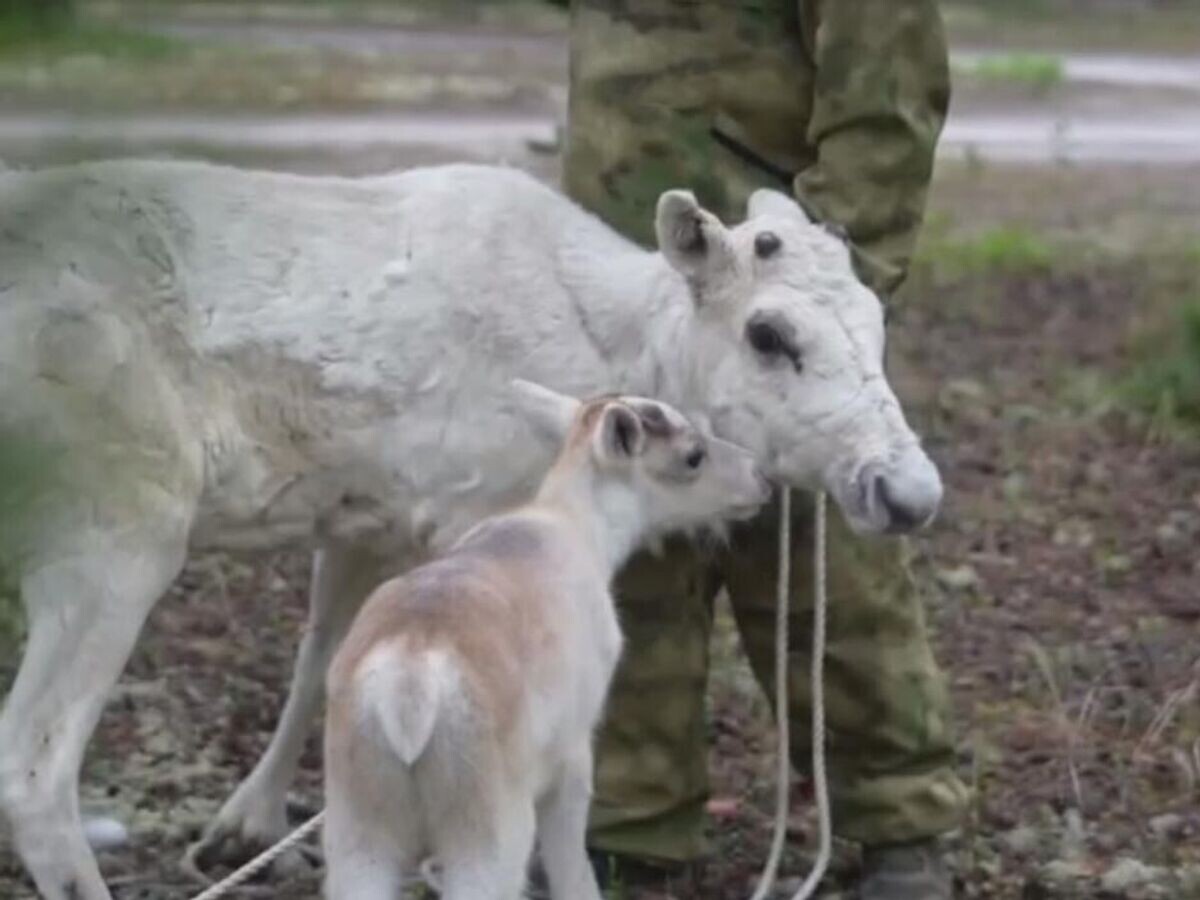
651, 754
890, 750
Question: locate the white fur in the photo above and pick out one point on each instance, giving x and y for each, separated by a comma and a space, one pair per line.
229, 359
404, 702
432, 749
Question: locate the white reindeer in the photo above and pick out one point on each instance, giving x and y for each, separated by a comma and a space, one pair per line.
462, 702
228, 359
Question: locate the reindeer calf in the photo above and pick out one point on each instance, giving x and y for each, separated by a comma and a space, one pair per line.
462, 703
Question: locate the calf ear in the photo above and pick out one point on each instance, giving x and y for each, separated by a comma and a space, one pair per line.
619, 436
693, 240
768, 202
550, 412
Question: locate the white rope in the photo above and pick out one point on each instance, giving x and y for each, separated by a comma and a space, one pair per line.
766, 880
260, 862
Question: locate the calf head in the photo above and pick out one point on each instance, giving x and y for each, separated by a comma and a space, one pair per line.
787, 358
644, 458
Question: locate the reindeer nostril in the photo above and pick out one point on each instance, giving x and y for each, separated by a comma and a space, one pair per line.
901, 516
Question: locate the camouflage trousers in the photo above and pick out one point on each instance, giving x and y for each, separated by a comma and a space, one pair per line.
890, 751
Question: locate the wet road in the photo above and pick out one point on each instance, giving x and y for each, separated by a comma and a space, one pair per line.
1029, 138
1148, 111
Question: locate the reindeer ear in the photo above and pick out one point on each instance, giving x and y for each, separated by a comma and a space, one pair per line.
548, 411
768, 202
692, 239
619, 436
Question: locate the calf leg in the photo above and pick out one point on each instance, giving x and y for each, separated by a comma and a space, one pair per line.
562, 832
362, 862
85, 609
490, 863
256, 813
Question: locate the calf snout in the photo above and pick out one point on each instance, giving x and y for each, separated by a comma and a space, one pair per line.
904, 494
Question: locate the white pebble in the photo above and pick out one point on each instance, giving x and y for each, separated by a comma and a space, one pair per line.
105, 834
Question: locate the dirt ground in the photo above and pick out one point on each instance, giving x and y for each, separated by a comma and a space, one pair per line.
1063, 579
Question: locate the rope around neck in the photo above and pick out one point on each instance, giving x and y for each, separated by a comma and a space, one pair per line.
783, 777
766, 881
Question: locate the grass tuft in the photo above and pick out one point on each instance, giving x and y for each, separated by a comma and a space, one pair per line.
1005, 249
1037, 71
29, 38
1164, 382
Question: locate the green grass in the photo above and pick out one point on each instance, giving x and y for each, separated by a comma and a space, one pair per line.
1037, 71
26, 39
1164, 382
1005, 249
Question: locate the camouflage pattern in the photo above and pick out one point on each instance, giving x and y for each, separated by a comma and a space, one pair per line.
842, 103
890, 750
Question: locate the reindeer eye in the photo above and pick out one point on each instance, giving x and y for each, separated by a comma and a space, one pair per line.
769, 342
764, 338
695, 458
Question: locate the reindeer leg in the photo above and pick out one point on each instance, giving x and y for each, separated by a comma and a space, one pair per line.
494, 868
85, 608
562, 831
255, 815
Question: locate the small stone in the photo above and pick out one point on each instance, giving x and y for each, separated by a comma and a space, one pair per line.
1074, 836
1168, 536
1129, 873
1065, 871
1014, 486
1168, 825
963, 389
1116, 564
959, 578
1074, 533
396, 272
105, 834
548, 143
1023, 839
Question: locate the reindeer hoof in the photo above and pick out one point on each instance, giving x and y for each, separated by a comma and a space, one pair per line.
227, 846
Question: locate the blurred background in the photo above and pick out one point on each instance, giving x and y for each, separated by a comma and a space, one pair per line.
1048, 344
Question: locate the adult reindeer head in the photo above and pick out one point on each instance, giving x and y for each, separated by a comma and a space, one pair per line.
788, 355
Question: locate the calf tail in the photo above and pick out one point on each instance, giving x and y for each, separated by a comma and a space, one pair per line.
403, 694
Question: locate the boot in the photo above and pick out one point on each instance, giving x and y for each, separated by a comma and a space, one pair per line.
913, 871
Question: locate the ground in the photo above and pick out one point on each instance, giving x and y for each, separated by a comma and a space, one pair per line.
1063, 576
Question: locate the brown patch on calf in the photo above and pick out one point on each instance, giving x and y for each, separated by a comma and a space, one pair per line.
484, 604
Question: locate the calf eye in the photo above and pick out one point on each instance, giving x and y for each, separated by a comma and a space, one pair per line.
695, 458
